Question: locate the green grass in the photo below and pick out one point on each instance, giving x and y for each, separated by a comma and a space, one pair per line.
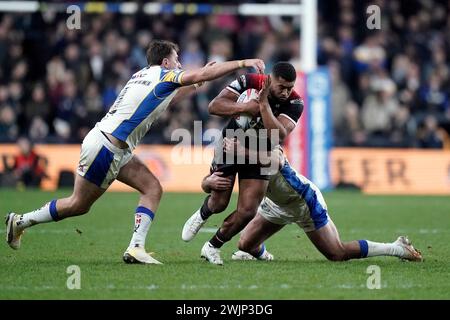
38, 269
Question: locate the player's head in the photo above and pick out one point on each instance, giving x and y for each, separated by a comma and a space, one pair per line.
283, 80
163, 53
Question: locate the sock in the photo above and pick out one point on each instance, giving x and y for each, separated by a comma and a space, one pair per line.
261, 251
218, 240
205, 212
45, 214
142, 220
372, 249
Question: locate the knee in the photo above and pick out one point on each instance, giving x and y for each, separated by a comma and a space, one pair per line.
154, 191
247, 213
158, 190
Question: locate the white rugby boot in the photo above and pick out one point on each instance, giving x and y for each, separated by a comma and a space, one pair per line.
211, 254
138, 255
14, 231
410, 253
192, 226
242, 255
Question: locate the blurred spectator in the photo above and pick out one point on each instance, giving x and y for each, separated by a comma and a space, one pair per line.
28, 167
429, 135
379, 110
350, 132
38, 107
340, 95
8, 127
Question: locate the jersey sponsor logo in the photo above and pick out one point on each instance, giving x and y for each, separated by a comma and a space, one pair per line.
138, 75
143, 82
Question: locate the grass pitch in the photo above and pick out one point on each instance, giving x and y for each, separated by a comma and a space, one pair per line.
95, 242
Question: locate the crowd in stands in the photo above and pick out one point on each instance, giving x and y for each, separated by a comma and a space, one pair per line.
390, 87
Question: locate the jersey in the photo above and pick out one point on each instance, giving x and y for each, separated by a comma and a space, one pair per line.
145, 96
292, 198
288, 186
290, 108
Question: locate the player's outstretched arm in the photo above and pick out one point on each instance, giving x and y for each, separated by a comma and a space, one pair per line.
186, 91
220, 69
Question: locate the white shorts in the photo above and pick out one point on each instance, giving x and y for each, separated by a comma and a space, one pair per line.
308, 216
100, 160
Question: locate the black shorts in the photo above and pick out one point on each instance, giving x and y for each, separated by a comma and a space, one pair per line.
244, 171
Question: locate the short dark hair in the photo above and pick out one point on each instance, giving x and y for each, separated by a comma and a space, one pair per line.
158, 50
284, 70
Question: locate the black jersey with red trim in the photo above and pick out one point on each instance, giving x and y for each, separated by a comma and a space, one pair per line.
291, 108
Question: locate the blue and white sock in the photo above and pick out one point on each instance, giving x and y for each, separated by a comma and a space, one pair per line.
45, 214
372, 249
261, 251
142, 221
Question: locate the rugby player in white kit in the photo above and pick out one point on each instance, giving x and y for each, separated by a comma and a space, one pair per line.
107, 150
292, 198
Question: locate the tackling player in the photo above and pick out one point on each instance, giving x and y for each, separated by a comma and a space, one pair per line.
292, 198
107, 150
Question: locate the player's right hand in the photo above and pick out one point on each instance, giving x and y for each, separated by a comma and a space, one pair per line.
219, 183
258, 64
252, 107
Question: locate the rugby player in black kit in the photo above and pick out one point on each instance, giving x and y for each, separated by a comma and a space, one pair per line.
278, 109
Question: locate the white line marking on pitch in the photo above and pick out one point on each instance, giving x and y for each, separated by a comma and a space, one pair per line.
208, 230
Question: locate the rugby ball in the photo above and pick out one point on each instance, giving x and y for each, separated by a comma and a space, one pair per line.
244, 120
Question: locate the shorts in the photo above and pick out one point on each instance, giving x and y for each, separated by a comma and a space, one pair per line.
244, 171
308, 216
100, 160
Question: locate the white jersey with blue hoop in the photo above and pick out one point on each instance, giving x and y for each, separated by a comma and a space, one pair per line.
145, 96
292, 198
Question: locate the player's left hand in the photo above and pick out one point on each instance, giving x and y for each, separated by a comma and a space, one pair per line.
264, 92
218, 182
258, 64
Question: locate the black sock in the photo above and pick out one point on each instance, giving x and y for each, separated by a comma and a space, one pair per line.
205, 213
218, 240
